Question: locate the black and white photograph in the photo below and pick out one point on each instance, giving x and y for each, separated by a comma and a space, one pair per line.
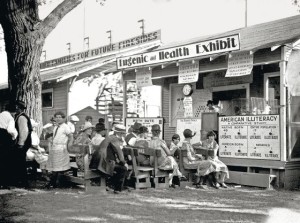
150, 111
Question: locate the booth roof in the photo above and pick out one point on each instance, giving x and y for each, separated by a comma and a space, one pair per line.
264, 35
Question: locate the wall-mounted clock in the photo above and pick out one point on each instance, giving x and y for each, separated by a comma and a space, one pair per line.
187, 90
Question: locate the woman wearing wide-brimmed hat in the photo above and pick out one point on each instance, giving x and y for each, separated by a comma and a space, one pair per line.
84, 140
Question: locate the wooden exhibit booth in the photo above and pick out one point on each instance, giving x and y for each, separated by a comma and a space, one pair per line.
245, 72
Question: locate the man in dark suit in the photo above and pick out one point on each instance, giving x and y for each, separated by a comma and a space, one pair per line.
24, 128
108, 158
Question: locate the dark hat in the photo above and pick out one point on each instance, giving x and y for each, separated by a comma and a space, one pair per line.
175, 136
136, 127
100, 127
101, 120
143, 129
187, 133
211, 133
20, 104
155, 127
10, 107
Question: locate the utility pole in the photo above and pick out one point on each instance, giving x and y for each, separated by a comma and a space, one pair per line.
109, 37
142, 26
246, 12
86, 41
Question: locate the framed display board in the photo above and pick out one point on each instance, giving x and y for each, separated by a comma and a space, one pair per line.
193, 124
148, 122
255, 137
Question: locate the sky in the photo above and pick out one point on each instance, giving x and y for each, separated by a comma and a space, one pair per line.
178, 20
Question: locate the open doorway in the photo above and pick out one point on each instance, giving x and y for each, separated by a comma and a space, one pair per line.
232, 99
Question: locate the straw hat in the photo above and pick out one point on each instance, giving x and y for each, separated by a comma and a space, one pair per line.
86, 126
120, 128
74, 118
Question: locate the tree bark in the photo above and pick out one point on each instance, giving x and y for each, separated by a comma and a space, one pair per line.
24, 36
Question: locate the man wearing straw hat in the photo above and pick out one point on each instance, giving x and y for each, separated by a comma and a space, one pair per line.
109, 159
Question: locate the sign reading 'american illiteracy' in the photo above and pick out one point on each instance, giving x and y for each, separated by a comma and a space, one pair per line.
255, 137
208, 47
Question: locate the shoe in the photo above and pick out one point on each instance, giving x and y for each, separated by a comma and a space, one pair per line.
117, 192
172, 186
201, 186
183, 178
223, 185
217, 186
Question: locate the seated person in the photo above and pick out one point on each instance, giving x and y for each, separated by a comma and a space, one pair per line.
219, 168
109, 159
166, 161
84, 139
204, 167
141, 141
35, 152
174, 147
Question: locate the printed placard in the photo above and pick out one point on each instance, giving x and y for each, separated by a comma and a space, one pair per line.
188, 107
255, 137
239, 64
143, 77
147, 122
188, 72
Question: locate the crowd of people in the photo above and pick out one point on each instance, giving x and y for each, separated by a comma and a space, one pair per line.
102, 145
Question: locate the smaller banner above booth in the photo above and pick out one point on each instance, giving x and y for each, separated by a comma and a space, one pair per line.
188, 72
143, 77
239, 64
292, 73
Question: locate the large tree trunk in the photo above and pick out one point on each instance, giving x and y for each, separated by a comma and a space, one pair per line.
24, 36
23, 70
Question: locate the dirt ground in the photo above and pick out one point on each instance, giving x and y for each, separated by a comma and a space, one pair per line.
187, 204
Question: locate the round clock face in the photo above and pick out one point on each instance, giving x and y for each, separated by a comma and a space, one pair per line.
187, 89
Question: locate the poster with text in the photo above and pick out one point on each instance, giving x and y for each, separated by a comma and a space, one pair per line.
188, 72
239, 64
143, 77
148, 122
255, 137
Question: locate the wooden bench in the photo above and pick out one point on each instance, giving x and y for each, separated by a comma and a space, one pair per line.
159, 177
93, 180
190, 170
141, 174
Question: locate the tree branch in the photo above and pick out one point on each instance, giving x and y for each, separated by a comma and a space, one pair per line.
51, 21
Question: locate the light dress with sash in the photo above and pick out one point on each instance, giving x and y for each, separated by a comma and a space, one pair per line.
58, 159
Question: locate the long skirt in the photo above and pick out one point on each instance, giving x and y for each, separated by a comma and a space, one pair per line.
169, 163
58, 158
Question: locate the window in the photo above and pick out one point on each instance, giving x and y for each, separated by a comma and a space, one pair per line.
47, 98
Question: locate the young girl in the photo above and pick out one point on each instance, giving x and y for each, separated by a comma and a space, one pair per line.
221, 170
174, 147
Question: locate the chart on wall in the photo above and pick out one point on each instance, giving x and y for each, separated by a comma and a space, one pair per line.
193, 124
255, 137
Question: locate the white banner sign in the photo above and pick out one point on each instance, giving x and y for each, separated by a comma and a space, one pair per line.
143, 77
208, 47
188, 72
255, 137
188, 107
240, 64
